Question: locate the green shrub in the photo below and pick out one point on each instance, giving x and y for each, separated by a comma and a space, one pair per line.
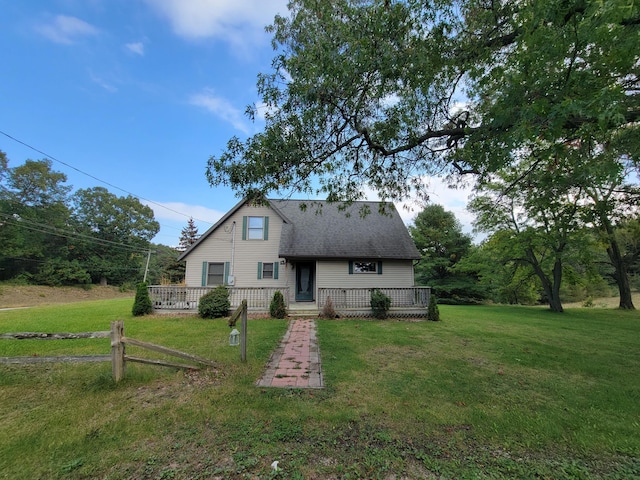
277, 308
215, 304
126, 287
380, 303
142, 303
57, 273
433, 313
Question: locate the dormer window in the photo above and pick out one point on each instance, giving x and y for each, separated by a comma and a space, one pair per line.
255, 228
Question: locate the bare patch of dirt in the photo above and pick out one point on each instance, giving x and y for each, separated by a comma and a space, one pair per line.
32, 296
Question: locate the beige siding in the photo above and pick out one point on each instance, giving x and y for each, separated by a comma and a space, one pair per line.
219, 247
225, 244
335, 273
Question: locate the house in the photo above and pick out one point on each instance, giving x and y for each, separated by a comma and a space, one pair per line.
309, 251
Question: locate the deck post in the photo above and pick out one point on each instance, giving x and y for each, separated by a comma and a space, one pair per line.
243, 332
117, 350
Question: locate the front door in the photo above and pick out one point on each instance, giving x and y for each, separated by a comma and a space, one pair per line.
305, 281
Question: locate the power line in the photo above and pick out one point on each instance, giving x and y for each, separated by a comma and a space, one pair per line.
98, 179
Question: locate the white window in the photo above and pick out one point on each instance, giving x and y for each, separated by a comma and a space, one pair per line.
255, 228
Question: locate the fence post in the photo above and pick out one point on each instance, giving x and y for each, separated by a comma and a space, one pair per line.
243, 333
117, 350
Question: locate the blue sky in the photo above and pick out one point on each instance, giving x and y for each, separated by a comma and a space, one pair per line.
138, 94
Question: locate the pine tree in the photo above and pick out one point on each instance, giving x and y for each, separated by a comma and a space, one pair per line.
188, 235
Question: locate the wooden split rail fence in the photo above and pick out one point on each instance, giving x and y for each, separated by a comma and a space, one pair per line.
118, 356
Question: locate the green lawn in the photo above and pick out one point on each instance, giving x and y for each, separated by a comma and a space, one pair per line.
489, 392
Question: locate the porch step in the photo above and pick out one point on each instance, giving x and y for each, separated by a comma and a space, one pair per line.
303, 310
303, 314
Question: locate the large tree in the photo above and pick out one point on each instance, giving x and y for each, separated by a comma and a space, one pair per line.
541, 215
34, 215
380, 93
442, 244
611, 207
500, 274
115, 234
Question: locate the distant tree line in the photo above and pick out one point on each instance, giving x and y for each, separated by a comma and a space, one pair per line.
553, 260
51, 235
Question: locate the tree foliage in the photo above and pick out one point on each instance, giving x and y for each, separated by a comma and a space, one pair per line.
378, 94
188, 235
380, 304
52, 237
215, 303
277, 307
116, 230
164, 267
142, 302
542, 218
502, 277
433, 312
441, 243
34, 213
610, 208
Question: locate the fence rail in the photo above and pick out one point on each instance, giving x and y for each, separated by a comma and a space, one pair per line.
53, 336
118, 355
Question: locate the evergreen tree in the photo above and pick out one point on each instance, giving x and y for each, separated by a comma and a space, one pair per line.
439, 238
142, 303
188, 235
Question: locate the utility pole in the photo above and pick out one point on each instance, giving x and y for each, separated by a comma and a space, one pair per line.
146, 269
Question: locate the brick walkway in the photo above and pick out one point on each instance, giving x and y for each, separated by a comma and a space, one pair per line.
296, 362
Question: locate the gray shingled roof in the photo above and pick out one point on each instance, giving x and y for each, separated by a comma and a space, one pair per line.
323, 230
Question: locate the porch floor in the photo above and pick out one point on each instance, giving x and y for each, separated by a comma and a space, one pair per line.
296, 362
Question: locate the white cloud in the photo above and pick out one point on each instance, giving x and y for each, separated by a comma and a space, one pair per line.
452, 199
136, 47
221, 108
240, 22
66, 30
102, 83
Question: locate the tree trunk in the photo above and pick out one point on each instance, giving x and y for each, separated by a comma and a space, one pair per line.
554, 302
621, 275
551, 287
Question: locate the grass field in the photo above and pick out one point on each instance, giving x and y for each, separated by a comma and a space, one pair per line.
490, 392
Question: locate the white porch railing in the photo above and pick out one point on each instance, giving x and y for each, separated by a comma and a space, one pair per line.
179, 297
360, 298
347, 301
